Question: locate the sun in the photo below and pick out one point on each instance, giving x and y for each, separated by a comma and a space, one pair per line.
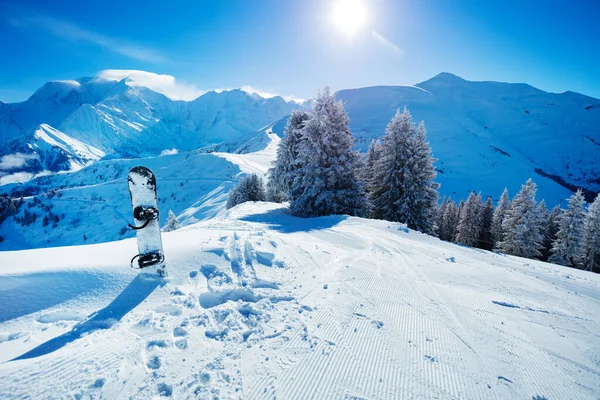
349, 16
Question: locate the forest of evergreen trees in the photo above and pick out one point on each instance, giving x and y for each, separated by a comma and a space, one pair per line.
320, 174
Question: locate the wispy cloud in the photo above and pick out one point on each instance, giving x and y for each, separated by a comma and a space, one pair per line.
165, 84
14, 161
69, 31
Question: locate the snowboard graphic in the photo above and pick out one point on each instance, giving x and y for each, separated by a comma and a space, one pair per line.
142, 189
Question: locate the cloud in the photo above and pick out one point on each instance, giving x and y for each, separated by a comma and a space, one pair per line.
174, 89
164, 84
17, 160
17, 177
69, 31
168, 152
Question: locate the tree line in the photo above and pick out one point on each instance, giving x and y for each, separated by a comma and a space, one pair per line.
319, 173
525, 228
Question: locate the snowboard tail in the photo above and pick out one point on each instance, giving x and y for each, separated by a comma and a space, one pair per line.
144, 201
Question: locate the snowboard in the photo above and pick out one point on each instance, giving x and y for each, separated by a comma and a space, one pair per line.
144, 201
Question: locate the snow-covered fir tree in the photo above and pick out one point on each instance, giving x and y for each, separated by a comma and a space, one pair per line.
255, 188
326, 181
591, 261
453, 220
568, 247
499, 213
469, 225
439, 216
449, 222
249, 188
172, 223
521, 225
404, 189
280, 175
368, 170
486, 240
544, 216
549, 232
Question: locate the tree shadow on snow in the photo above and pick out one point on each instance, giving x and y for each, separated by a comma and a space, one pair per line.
282, 221
136, 292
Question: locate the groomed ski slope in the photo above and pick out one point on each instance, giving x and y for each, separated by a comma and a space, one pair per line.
260, 304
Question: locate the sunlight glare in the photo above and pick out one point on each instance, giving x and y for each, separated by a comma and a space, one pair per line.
349, 16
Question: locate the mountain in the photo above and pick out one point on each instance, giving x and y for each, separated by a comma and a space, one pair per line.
92, 204
122, 118
47, 150
259, 304
488, 135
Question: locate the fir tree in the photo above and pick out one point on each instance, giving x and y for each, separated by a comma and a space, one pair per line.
255, 188
439, 219
486, 240
549, 232
237, 195
459, 209
449, 222
172, 223
326, 181
281, 174
404, 189
499, 213
521, 225
469, 226
368, 171
591, 260
249, 188
568, 247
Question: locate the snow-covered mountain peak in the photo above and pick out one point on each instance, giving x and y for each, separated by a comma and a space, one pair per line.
446, 78
164, 84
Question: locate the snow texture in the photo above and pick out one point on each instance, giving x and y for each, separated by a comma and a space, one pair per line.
332, 308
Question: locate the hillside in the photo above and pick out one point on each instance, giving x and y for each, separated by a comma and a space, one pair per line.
261, 304
485, 135
489, 135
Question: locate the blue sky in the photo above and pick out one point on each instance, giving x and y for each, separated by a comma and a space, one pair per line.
291, 47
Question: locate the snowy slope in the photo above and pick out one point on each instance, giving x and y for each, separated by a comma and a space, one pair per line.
93, 206
45, 150
260, 304
93, 203
488, 135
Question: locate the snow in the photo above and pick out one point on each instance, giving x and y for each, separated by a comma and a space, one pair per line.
471, 126
490, 135
262, 304
96, 204
164, 84
257, 162
56, 138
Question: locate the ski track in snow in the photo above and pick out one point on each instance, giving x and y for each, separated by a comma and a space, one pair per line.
259, 305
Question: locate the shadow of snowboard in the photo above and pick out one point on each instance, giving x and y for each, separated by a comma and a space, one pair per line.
136, 292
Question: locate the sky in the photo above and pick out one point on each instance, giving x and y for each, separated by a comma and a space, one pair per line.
294, 47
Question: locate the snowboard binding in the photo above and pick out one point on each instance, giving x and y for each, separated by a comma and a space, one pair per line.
146, 214
148, 259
